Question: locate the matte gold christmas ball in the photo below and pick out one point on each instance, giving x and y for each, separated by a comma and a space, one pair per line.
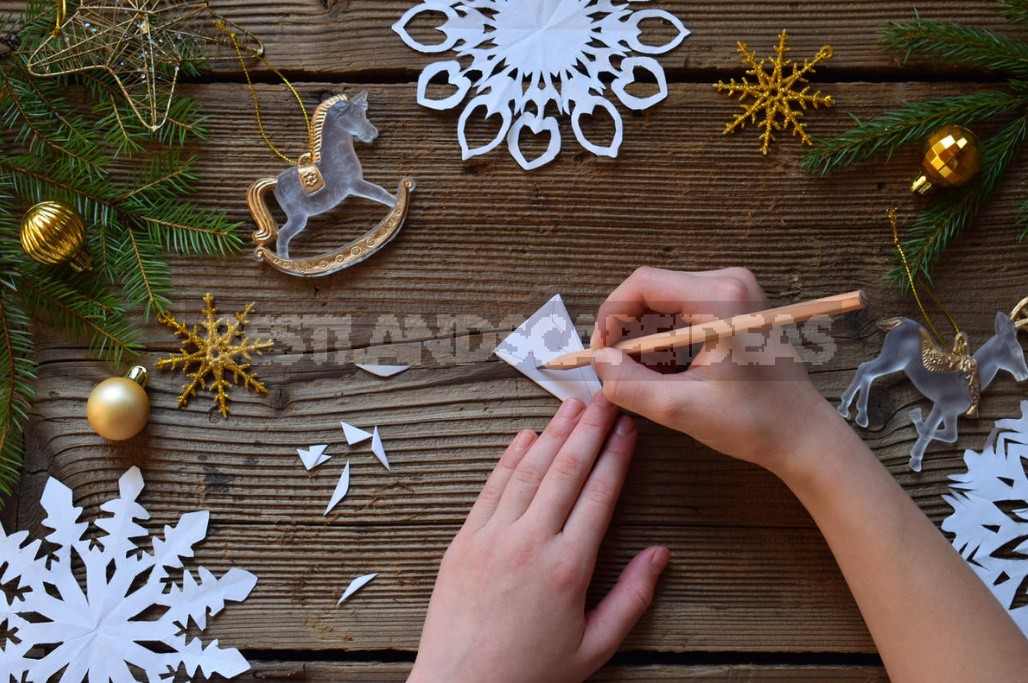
53, 233
952, 157
119, 407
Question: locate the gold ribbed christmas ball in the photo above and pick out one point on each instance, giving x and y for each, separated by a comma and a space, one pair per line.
53, 233
952, 157
118, 408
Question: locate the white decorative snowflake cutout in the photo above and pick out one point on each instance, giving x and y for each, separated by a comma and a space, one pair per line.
130, 615
990, 514
522, 56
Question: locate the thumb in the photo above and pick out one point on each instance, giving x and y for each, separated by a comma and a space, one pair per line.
626, 383
611, 621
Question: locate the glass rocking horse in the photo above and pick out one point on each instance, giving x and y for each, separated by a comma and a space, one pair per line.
319, 183
953, 381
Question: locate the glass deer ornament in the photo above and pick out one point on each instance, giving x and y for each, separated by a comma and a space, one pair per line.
952, 380
320, 182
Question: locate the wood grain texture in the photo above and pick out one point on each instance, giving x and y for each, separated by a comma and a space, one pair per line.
485, 244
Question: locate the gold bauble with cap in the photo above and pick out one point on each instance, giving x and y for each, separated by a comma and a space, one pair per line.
119, 407
54, 233
952, 157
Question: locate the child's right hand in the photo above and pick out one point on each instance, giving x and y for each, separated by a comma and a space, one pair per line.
747, 396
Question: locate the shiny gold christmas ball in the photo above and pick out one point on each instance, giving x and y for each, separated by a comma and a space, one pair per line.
53, 233
119, 407
952, 157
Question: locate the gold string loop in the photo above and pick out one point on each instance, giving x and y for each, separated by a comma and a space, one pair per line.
59, 16
961, 345
239, 47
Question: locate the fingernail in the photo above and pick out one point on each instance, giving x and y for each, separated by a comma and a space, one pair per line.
624, 426
523, 438
570, 408
607, 356
659, 559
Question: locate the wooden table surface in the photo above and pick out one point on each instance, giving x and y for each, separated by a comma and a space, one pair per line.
752, 592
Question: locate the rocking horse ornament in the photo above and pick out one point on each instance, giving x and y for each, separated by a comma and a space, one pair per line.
322, 180
953, 380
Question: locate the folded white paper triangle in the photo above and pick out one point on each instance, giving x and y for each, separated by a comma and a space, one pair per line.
382, 370
379, 450
354, 435
313, 456
356, 585
341, 489
549, 333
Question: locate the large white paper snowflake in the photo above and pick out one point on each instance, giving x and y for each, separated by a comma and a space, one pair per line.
990, 514
528, 59
130, 613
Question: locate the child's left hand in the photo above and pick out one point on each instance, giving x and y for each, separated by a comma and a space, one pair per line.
509, 603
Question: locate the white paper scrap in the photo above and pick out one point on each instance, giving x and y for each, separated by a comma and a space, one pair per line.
521, 61
84, 610
341, 489
313, 456
354, 435
379, 450
549, 333
382, 370
356, 585
990, 513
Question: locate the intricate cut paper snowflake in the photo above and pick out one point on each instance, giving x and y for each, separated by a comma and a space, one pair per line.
127, 606
528, 59
990, 514
776, 92
215, 355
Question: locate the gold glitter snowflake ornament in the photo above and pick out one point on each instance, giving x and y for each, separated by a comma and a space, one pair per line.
776, 93
218, 353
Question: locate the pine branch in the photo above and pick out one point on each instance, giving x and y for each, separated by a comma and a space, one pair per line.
934, 229
17, 372
1016, 11
913, 122
959, 44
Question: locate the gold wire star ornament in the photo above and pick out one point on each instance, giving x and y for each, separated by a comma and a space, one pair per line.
776, 93
219, 350
140, 43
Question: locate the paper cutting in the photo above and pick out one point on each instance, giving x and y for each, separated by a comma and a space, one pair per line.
990, 513
99, 629
356, 585
342, 488
354, 435
379, 450
529, 61
383, 370
313, 456
549, 333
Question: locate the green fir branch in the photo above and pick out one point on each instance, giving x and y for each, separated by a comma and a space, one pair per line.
958, 44
912, 123
17, 373
1016, 10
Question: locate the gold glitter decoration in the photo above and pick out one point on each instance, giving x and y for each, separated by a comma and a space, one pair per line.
776, 93
141, 43
215, 355
53, 233
952, 157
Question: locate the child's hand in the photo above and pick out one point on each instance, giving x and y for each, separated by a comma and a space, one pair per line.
509, 603
747, 396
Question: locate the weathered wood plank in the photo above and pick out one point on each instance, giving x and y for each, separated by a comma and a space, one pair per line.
354, 39
383, 672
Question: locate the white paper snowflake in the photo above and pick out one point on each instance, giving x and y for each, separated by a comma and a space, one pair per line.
990, 514
128, 614
522, 56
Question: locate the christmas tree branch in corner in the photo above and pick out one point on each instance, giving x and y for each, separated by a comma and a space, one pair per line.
74, 140
955, 43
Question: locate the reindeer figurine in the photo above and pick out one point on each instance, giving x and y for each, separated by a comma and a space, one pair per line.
953, 381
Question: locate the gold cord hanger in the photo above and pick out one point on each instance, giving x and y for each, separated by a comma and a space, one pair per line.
961, 346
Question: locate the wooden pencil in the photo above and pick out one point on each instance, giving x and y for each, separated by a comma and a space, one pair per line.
718, 329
